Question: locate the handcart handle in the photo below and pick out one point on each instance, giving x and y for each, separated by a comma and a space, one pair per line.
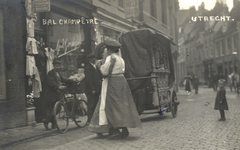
139, 78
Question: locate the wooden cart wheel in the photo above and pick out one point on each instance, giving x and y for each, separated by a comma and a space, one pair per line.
174, 106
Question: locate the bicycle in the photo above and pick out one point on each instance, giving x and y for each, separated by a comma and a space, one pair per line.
69, 107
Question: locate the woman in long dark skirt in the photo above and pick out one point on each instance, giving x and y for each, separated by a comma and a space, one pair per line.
188, 84
116, 108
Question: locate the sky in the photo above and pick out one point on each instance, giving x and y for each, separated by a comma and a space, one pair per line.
209, 4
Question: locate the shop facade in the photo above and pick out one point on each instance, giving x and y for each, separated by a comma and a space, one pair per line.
65, 32
67, 29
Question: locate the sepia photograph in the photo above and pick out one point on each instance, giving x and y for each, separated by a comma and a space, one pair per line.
119, 74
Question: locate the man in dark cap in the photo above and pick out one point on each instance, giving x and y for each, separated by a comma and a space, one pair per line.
55, 84
113, 44
92, 84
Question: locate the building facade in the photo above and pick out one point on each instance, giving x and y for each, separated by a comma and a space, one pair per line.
12, 65
212, 46
69, 25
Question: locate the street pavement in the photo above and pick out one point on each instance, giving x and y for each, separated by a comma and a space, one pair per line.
195, 127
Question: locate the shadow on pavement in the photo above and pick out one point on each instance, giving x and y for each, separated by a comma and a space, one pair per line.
156, 117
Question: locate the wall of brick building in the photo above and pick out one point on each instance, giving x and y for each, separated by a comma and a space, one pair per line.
13, 112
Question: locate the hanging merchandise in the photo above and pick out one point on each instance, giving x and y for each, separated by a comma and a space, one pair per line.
36, 84
50, 53
31, 46
30, 27
33, 76
30, 65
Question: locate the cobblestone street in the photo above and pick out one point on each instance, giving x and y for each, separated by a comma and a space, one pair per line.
195, 127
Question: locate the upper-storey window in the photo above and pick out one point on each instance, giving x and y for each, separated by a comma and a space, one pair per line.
164, 11
223, 47
229, 45
121, 3
153, 8
235, 43
217, 49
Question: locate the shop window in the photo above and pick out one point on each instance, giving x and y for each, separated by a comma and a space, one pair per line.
164, 11
153, 8
73, 28
2, 62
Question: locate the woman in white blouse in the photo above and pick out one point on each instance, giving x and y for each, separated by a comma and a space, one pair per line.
116, 109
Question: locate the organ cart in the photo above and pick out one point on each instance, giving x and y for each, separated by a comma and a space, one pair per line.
149, 70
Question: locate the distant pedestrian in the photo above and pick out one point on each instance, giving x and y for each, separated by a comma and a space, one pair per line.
188, 84
221, 101
195, 84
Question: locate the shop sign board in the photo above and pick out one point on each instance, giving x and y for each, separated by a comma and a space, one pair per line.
41, 5
131, 8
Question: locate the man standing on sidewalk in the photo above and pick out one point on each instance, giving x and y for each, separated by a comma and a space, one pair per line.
55, 85
93, 85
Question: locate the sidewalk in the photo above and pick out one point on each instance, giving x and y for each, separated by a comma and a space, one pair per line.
17, 135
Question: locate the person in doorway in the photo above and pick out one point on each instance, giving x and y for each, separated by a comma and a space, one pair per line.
92, 85
116, 110
55, 85
195, 84
221, 101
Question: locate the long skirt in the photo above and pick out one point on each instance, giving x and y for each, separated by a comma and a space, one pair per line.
188, 86
120, 107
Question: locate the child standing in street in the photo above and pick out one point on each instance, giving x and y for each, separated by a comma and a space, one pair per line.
221, 101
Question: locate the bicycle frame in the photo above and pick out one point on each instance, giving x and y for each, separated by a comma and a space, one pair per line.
69, 108
73, 107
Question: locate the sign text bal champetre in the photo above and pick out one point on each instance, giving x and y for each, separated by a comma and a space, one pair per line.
41, 5
131, 8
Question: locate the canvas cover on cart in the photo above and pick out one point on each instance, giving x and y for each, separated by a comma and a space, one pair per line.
138, 50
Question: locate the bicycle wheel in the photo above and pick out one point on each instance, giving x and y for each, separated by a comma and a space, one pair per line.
60, 116
80, 114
